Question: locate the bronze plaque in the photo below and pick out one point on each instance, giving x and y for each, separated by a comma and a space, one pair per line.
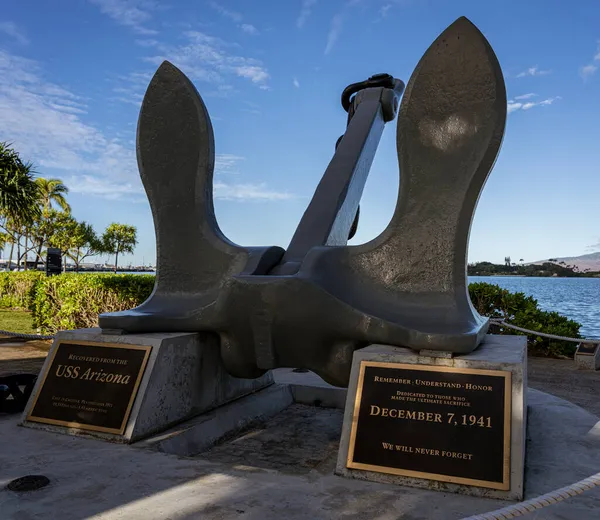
440, 423
91, 386
587, 349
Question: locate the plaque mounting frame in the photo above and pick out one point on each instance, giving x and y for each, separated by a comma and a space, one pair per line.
83, 426
506, 374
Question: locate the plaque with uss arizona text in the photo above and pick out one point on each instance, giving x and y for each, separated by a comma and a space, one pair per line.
90, 386
438, 423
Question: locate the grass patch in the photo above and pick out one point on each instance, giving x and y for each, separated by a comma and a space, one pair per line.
16, 321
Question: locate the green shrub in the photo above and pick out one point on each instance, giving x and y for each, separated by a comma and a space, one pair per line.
523, 311
17, 289
73, 301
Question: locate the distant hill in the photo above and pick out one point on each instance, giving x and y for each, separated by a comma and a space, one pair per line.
583, 262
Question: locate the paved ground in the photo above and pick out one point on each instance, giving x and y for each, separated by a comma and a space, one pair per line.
97, 480
296, 441
18, 357
284, 468
559, 377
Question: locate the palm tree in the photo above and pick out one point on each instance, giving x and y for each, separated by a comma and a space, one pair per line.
18, 191
50, 191
53, 190
19, 194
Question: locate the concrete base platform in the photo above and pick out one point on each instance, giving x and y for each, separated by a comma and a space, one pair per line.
501, 356
184, 378
587, 356
202, 432
282, 468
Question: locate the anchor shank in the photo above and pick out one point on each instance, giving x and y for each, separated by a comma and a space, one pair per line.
329, 216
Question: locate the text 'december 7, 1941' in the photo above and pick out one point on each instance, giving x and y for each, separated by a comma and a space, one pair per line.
439, 423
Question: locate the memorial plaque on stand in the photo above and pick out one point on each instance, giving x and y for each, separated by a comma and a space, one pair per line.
90, 386
587, 349
432, 422
53, 261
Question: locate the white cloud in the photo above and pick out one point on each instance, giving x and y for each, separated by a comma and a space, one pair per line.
249, 29
526, 96
334, 32
44, 122
296, 83
307, 7
130, 13
201, 61
548, 101
383, 11
206, 58
66, 108
220, 91
513, 106
254, 73
232, 15
227, 163
132, 87
11, 29
588, 70
533, 71
248, 192
105, 188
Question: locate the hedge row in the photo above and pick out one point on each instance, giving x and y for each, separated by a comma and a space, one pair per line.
17, 290
523, 311
71, 301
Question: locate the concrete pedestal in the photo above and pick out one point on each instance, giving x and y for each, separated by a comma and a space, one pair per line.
497, 354
183, 378
587, 356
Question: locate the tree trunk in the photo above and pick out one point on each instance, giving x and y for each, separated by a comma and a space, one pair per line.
77, 262
26, 240
38, 255
64, 263
12, 249
39, 260
116, 260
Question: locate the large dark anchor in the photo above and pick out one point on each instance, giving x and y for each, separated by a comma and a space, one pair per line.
315, 303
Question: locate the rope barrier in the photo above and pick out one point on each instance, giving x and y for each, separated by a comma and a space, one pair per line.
502, 323
493, 321
24, 336
528, 506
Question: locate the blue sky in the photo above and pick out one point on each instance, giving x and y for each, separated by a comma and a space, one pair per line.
73, 73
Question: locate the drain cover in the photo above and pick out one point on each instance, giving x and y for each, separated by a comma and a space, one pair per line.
28, 483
